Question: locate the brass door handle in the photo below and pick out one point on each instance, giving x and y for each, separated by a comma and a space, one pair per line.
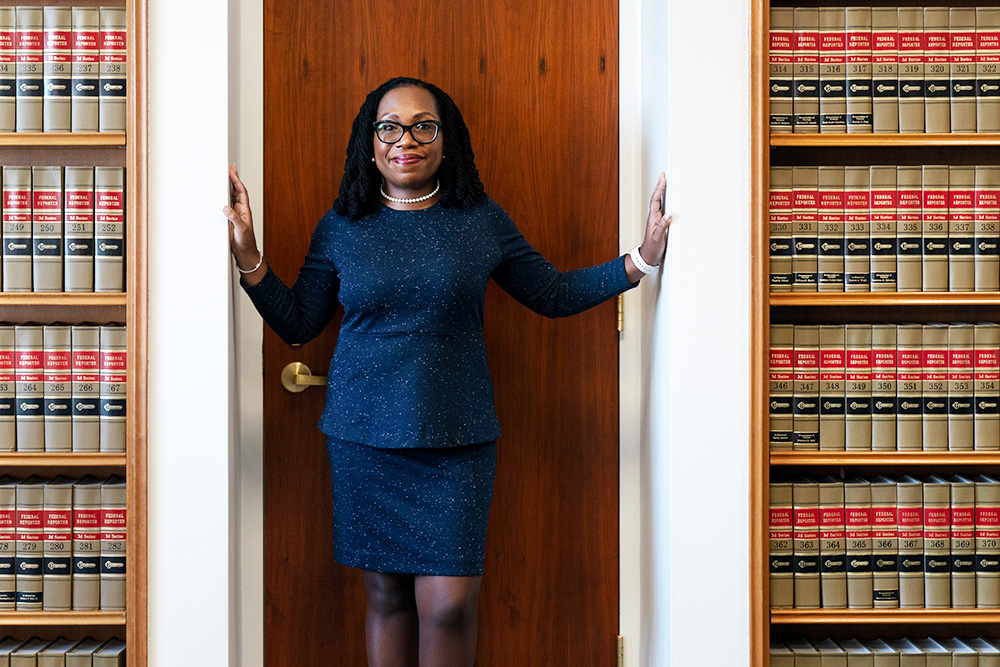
296, 377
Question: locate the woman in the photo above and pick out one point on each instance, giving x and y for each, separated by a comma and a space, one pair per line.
407, 249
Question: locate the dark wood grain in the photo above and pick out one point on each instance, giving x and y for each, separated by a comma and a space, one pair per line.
537, 83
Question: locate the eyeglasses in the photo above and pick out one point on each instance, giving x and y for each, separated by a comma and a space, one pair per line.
424, 132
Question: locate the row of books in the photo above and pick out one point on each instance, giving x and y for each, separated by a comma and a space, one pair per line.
61, 652
63, 69
63, 229
884, 69
63, 388
882, 228
62, 544
904, 652
885, 387
885, 542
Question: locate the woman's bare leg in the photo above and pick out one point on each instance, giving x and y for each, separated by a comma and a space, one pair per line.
447, 607
391, 620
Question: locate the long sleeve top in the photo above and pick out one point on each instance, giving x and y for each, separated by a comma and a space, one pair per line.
409, 368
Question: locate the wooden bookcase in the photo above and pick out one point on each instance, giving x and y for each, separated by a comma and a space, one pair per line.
128, 150
818, 149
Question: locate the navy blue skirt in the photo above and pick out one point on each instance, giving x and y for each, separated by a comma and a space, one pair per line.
414, 511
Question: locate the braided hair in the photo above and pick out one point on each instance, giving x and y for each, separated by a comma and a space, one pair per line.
359, 188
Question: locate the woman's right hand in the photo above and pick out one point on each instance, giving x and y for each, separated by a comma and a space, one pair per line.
242, 241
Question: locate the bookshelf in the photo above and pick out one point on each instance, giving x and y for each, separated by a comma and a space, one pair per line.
121, 149
868, 307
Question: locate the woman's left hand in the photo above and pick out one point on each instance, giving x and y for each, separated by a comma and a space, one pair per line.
654, 244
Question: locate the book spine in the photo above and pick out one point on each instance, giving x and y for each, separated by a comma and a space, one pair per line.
114, 385
86, 388
987, 542
857, 229
114, 63
8, 548
805, 70
961, 425
987, 229
805, 190
805, 404
86, 64
858, 399
78, 242
780, 386
47, 228
859, 69
883, 229
832, 369
57, 69
935, 229
16, 229
909, 202
113, 537
7, 396
29, 385
109, 229
911, 69
832, 70
57, 544
857, 510
885, 545
987, 69
909, 506
885, 70
780, 66
830, 225
937, 104
909, 387
832, 545
780, 227
86, 546
8, 68
961, 228
963, 545
58, 389
986, 393
962, 87
29, 552
780, 546
937, 544
884, 387
805, 530
935, 386
28, 115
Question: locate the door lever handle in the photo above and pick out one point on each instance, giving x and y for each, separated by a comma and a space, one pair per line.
296, 377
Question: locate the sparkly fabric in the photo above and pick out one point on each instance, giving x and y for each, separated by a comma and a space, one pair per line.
416, 510
410, 369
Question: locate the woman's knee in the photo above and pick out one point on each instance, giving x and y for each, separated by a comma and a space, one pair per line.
389, 593
448, 607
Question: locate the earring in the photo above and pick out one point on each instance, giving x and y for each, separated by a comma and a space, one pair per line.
373, 158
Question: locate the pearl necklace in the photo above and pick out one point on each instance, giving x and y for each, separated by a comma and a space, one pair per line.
414, 200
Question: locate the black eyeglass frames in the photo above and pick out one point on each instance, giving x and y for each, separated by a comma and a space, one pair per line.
423, 132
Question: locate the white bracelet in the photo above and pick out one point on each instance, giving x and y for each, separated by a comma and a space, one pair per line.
259, 262
640, 263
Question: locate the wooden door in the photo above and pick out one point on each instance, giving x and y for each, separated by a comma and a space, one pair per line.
537, 82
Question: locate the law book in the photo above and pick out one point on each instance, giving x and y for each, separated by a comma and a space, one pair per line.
56, 68
989, 654
780, 224
987, 527
805, 388
29, 553
885, 70
54, 655
780, 655
910, 518
832, 378
780, 538
909, 654
961, 228
16, 229
832, 544
78, 234
82, 655
114, 385
109, 229
935, 387
780, 69
857, 654
858, 521
911, 68
883, 387
7, 648
87, 544
934, 654
858, 392
86, 375
986, 391
805, 190
885, 544
883, 655
47, 228
58, 387
962, 655
805, 653
29, 385
29, 73
114, 60
961, 418
805, 547
830, 225
987, 228
57, 545
782, 337
7, 409
909, 229
963, 543
859, 69
86, 68
805, 70
8, 544
8, 68
857, 229
111, 654
113, 536
987, 69
962, 86
832, 70
937, 543
883, 229
27, 654
935, 228
937, 100
830, 653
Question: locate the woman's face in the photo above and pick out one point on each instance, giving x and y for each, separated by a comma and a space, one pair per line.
408, 167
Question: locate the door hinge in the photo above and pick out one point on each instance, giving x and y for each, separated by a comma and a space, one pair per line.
621, 649
621, 313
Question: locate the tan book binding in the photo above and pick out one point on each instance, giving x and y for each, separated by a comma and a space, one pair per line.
832, 374
987, 527
885, 70
57, 543
805, 402
858, 392
830, 225
28, 116
805, 530
883, 228
937, 543
780, 70
57, 68
805, 191
857, 508
962, 85
86, 64
963, 542
8, 68
54, 655
29, 388
16, 229
988, 69
935, 385
832, 544
910, 517
86, 371
113, 540
859, 69
937, 102
962, 655
935, 654
780, 228
47, 229
961, 368
111, 654
884, 387
114, 388
830, 653
87, 544
805, 653
885, 544
832, 70
28, 576
909, 229
113, 68
78, 241
109, 229
8, 544
883, 655
989, 654
7, 405
780, 573
857, 654
780, 387
934, 229
58, 387
909, 387
27, 655
987, 229
780, 655
82, 655
909, 654
986, 387
805, 70
911, 68
857, 229
961, 228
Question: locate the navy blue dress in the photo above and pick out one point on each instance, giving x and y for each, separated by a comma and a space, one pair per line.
409, 409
